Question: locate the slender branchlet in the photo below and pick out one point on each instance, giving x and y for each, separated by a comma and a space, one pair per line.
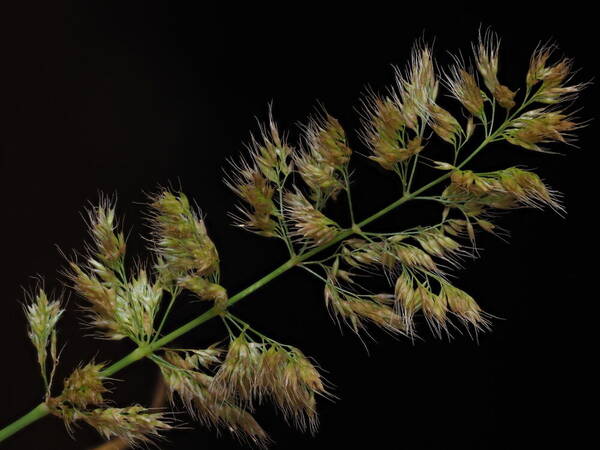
221, 387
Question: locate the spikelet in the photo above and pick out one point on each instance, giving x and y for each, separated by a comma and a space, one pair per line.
486, 59
540, 126
310, 225
462, 84
42, 316
553, 78
137, 305
292, 382
325, 156
181, 239
256, 179
356, 311
134, 424
84, 387
108, 245
250, 184
183, 246
384, 132
443, 123
504, 189
202, 399
418, 86
102, 302
464, 307
389, 253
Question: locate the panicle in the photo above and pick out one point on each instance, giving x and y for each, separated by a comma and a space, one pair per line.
181, 239
310, 225
42, 316
84, 387
463, 86
109, 246
326, 155
540, 126
553, 78
486, 59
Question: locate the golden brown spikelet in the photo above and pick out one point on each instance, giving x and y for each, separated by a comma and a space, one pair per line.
84, 387
180, 237
486, 59
310, 226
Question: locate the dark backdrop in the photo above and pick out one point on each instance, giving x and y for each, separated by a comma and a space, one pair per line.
98, 96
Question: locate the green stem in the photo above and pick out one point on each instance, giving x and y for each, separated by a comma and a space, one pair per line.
35, 414
143, 351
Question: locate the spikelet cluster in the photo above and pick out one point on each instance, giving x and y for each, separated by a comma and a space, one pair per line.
504, 189
183, 372
487, 62
269, 370
82, 400
412, 295
256, 180
463, 86
84, 387
355, 310
42, 316
551, 80
325, 156
540, 126
310, 226
186, 254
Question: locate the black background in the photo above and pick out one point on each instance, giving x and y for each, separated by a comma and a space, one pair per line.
105, 97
